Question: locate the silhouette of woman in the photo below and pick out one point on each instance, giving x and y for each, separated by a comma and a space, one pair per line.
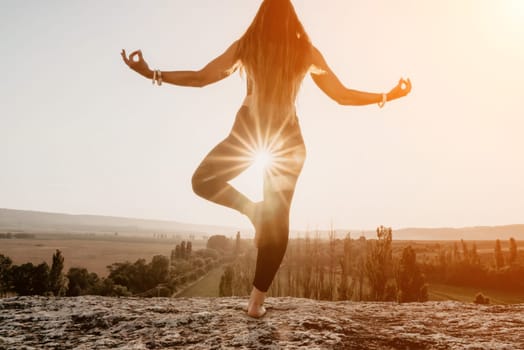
276, 53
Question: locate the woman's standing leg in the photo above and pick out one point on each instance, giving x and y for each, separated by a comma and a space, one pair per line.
279, 187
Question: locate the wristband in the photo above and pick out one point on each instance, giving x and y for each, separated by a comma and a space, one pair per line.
384, 100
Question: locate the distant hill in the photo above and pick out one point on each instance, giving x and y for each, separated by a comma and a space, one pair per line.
478, 233
42, 222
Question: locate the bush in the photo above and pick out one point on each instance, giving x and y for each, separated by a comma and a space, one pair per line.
481, 299
198, 262
207, 254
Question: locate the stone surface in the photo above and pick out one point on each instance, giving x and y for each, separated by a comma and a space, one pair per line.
220, 323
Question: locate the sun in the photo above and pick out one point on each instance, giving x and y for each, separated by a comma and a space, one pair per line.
262, 159
251, 181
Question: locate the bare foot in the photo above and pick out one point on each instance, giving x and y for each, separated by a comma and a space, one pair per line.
255, 306
256, 311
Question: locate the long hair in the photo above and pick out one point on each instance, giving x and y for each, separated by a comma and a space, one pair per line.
275, 52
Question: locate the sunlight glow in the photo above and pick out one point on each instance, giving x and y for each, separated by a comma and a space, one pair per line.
262, 159
261, 152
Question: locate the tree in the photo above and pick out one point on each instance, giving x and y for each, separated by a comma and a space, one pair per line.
226, 282
218, 242
189, 247
410, 280
23, 279
456, 254
513, 252
81, 282
56, 277
344, 292
378, 264
183, 250
237, 243
178, 255
31, 280
5, 274
474, 258
465, 251
499, 257
123, 273
306, 279
41, 279
159, 269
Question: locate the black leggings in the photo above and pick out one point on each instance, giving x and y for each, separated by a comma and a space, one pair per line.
234, 155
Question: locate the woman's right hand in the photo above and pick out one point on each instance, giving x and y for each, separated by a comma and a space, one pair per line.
140, 66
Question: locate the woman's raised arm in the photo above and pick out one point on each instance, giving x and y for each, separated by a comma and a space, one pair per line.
218, 69
328, 82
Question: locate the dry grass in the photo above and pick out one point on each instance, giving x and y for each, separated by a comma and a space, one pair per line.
93, 253
439, 292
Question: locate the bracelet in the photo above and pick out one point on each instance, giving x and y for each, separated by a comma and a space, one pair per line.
384, 100
157, 77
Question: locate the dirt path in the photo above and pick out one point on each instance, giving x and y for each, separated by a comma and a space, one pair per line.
207, 286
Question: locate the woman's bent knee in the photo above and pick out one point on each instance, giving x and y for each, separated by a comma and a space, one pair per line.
198, 184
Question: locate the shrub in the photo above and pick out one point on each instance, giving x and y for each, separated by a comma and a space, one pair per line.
481, 299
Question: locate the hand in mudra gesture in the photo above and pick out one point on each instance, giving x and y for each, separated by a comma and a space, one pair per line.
402, 89
136, 62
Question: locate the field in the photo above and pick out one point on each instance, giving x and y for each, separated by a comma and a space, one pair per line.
91, 252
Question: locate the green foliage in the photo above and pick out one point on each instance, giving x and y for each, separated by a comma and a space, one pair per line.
137, 277
140, 276
225, 288
181, 251
219, 242
513, 252
410, 280
81, 282
30, 280
207, 253
159, 269
238, 244
378, 264
109, 288
56, 277
344, 291
481, 299
5, 274
499, 257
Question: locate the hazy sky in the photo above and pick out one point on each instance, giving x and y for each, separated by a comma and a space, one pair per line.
81, 133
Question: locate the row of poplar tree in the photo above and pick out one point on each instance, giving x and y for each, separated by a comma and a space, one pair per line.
336, 270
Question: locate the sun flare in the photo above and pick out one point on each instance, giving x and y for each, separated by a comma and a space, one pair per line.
262, 159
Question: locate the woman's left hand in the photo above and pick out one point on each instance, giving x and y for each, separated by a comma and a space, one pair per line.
402, 89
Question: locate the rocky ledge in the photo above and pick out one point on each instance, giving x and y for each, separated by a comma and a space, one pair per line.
198, 323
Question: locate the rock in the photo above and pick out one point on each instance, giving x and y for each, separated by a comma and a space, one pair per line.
94, 322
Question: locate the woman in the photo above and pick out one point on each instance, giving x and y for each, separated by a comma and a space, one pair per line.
275, 52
